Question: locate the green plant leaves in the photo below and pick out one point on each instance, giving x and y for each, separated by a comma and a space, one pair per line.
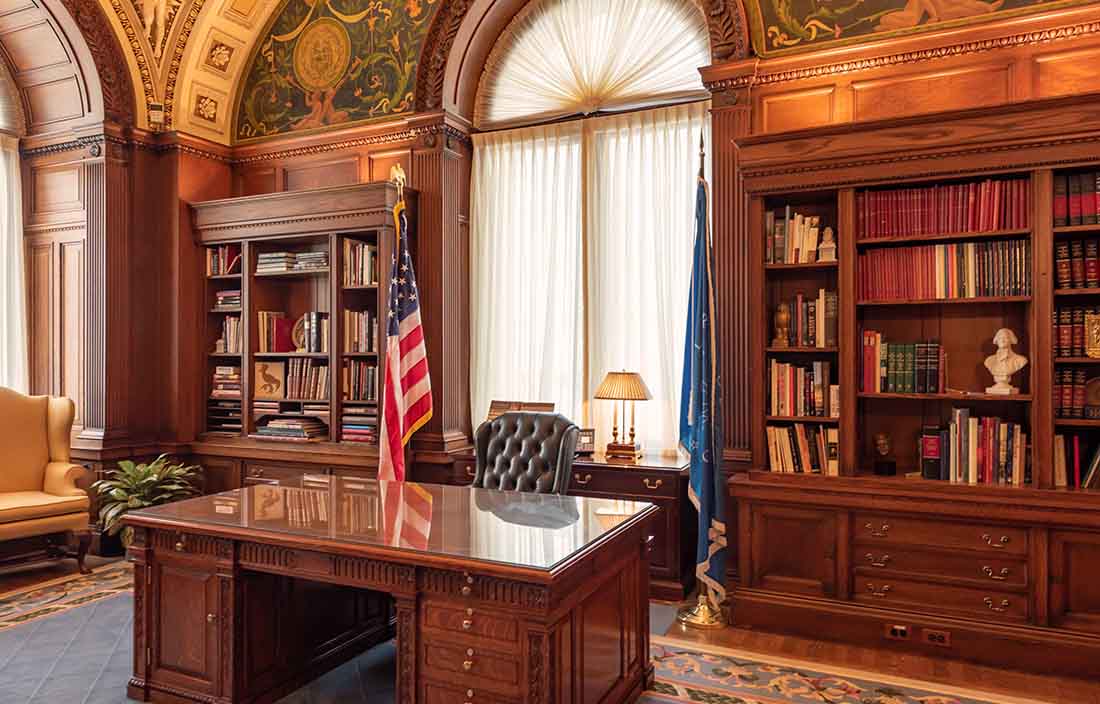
133, 486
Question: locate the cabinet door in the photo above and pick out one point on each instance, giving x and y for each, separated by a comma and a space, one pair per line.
1075, 580
184, 645
219, 474
794, 550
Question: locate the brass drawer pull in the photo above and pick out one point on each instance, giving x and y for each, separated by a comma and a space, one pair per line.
466, 588
1000, 577
878, 593
649, 484
181, 544
469, 696
881, 532
467, 624
468, 664
1000, 544
582, 482
211, 618
989, 605
255, 471
470, 471
881, 562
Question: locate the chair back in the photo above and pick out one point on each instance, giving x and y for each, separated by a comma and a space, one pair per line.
530, 452
25, 423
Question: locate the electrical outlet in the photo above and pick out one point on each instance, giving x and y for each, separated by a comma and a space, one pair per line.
933, 636
895, 631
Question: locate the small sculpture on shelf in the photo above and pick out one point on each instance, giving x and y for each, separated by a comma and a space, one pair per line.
1003, 363
884, 463
826, 251
782, 325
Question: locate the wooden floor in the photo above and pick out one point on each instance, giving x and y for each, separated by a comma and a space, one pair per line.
888, 662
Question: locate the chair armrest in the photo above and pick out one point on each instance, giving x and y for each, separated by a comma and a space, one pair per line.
61, 479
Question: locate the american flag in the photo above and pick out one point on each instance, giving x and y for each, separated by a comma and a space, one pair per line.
406, 384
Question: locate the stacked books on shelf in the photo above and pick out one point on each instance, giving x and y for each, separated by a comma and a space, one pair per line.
360, 331
306, 508
976, 450
1070, 392
315, 331
306, 379
223, 416
902, 368
793, 238
293, 429
942, 271
226, 382
804, 449
803, 390
1076, 201
285, 262
979, 206
264, 408
360, 381
1069, 330
359, 425
274, 332
311, 261
1070, 468
230, 340
227, 300
813, 321
360, 263
1076, 264
223, 260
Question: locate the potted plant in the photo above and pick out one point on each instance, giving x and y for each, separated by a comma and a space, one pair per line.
132, 486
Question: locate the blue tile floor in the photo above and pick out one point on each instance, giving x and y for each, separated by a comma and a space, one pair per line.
83, 656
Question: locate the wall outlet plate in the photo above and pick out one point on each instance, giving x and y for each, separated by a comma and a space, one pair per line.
895, 631
937, 637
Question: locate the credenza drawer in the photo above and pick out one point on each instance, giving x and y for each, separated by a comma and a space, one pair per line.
470, 665
444, 694
471, 621
999, 572
937, 598
626, 482
878, 529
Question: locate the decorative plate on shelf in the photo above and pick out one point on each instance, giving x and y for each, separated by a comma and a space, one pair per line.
298, 335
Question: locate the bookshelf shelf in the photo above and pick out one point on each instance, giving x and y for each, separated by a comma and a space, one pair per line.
365, 355
802, 419
1077, 360
1077, 291
1076, 423
292, 274
223, 277
225, 310
945, 237
801, 350
297, 355
226, 355
947, 301
1018, 398
1076, 229
367, 287
802, 266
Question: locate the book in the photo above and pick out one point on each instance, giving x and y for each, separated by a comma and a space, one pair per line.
1088, 198
223, 260
977, 206
1061, 202
930, 452
1074, 199
947, 271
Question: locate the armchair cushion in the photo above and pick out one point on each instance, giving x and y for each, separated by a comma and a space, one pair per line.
27, 505
24, 435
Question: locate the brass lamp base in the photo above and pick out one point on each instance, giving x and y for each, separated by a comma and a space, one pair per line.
702, 615
626, 452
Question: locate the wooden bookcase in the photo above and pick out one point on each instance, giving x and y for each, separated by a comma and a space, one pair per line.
325, 221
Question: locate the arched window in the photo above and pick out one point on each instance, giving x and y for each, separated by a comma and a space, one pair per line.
581, 230
13, 315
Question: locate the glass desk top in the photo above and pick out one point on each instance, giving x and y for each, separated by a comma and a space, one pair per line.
528, 530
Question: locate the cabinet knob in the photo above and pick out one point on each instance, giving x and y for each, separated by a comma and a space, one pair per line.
211, 618
467, 624
180, 545
650, 484
582, 482
1000, 544
469, 696
878, 593
999, 576
989, 604
879, 532
880, 562
468, 663
470, 472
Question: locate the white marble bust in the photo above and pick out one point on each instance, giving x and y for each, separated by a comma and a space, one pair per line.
1003, 363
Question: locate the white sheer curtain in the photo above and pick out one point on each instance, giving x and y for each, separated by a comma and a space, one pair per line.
581, 267
13, 311
527, 305
559, 58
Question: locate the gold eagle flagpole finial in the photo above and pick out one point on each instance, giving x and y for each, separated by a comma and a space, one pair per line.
397, 175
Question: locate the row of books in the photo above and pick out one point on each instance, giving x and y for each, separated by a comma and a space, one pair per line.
792, 238
296, 429
284, 262
359, 425
902, 368
305, 379
1070, 470
1069, 330
979, 206
223, 259
813, 321
227, 300
360, 381
274, 332
1070, 393
226, 382
1076, 264
223, 416
315, 332
976, 450
360, 331
230, 340
266, 407
964, 270
803, 390
1076, 201
360, 263
804, 449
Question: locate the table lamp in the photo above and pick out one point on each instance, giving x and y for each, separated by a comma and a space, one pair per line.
622, 387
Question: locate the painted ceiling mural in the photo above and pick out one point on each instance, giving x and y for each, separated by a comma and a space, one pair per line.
780, 26
325, 63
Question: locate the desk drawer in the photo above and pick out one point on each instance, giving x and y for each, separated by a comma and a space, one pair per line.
996, 571
470, 621
472, 666
449, 694
878, 529
989, 605
628, 482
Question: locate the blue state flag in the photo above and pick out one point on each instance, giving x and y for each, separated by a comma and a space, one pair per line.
701, 412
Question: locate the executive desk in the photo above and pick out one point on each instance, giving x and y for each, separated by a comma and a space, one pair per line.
495, 597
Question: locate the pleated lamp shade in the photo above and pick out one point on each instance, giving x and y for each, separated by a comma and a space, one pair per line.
623, 386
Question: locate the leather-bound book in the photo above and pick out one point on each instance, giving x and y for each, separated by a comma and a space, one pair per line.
1078, 332
1077, 263
1074, 200
1062, 265
1092, 265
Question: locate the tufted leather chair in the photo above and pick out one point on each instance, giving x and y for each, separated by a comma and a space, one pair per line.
530, 452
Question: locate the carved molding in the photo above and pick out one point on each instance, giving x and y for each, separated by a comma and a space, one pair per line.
93, 143
803, 72
177, 57
406, 649
501, 591
374, 572
728, 28
192, 544
536, 656
410, 133
114, 76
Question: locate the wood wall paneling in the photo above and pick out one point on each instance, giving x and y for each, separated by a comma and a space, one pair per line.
40, 278
70, 306
796, 109
342, 171
56, 194
1065, 72
54, 101
914, 93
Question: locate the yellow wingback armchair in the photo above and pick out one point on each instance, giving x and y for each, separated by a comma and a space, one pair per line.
38, 492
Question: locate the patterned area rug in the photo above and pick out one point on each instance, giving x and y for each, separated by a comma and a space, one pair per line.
64, 593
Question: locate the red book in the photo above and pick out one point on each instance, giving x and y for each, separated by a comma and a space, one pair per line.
1088, 199
971, 207
282, 338
1074, 200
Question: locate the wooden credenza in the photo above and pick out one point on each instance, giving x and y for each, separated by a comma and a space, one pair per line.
957, 571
